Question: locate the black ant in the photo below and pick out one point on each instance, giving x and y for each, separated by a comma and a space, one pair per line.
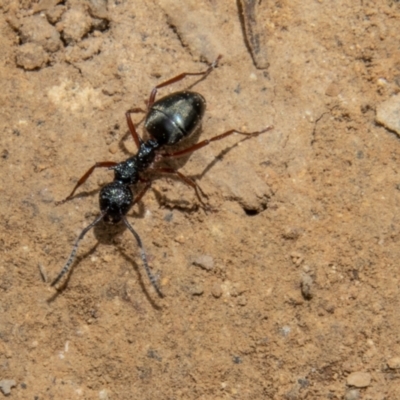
167, 122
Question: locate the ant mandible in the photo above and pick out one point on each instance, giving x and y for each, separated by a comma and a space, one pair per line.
167, 121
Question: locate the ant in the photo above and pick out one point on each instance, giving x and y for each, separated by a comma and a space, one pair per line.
167, 121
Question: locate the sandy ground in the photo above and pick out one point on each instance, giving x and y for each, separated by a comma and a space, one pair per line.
288, 289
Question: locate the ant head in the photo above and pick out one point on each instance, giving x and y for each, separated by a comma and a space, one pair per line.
115, 199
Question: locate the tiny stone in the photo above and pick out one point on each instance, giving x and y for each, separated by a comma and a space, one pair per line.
306, 287
180, 239
285, 330
242, 301
359, 379
353, 394
6, 385
54, 14
205, 262
332, 90
304, 383
297, 258
76, 25
168, 216
216, 290
37, 30
31, 56
197, 290
236, 360
98, 8
113, 148
103, 395
394, 363
388, 114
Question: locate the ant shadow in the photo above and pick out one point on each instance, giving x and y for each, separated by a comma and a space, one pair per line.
140, 280
61, 288
176, 164
105, 234
219, 157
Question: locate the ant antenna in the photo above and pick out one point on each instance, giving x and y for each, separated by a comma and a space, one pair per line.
152, 278
71, 257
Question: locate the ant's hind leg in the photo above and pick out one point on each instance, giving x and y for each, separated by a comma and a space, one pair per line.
206, 142
104, 164
179, 78
185, 180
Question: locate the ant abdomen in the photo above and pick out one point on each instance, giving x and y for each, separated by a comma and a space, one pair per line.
175, 116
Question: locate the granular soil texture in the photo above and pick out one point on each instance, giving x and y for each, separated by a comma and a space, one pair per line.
287, 287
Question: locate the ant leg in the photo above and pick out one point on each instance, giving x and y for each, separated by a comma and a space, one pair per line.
152, 278
215, 138
184, 179
179, 78
71, 257
142, 192
81, 181
138, 140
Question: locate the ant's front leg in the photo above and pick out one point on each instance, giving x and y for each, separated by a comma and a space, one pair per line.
138, 140
104, 164
143, 191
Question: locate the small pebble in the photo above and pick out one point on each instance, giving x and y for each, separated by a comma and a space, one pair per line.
285, 330
168, 216
297, 258
333, 90
353, 394
197, 290
6, 385
388, 114
113, 148
216, 290
236, 360
394, 363
307, 286
242, 301
359, 379
103, 395
98, 8
37, 30
180, 239
205, 262
76, 25
53, 14
31, 56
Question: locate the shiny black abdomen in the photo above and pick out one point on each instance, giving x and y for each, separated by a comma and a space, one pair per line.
175, 116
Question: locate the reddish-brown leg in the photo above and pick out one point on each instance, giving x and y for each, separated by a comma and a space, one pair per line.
103, 164
208, 141
142, 192
138, 140
179, 78
184, 179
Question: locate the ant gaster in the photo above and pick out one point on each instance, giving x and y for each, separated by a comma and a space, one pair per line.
167, 121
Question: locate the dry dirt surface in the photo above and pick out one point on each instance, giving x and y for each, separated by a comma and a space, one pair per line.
288, 287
